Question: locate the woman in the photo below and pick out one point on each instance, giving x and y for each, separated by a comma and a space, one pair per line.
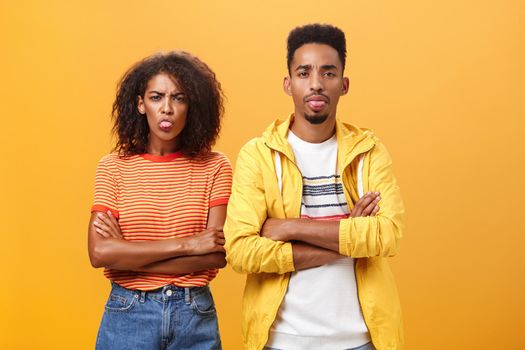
160, 204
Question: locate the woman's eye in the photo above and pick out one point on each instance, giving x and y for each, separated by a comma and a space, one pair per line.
179, 98
155, 98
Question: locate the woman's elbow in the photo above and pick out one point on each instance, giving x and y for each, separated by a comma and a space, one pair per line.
97, 256
219, 260
95, 261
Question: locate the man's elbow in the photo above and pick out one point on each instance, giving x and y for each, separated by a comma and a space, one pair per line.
392, 245
235, 265
390, 250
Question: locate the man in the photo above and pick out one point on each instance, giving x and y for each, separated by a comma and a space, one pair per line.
314, 212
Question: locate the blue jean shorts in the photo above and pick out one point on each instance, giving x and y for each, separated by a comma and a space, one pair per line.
166, 318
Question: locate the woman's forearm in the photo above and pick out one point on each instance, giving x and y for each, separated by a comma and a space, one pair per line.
125, 255
120, 254
186, 264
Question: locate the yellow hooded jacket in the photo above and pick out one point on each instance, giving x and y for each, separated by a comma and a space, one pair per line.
256, 195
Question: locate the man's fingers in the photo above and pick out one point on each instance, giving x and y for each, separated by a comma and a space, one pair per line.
370, 208
374, 212
362, 203
357, 207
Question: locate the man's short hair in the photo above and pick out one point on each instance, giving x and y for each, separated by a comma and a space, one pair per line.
317, 34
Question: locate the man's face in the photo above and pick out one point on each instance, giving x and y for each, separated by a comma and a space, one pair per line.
316, 82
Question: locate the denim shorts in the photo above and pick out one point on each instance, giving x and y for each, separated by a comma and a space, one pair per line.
166, 318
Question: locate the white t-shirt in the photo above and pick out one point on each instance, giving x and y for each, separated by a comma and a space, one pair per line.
320, 309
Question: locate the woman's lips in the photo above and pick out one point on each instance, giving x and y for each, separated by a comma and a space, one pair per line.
166, 125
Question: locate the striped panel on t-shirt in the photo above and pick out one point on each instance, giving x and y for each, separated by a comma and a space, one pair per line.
323, 198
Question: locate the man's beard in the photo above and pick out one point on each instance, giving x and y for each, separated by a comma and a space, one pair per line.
316, 119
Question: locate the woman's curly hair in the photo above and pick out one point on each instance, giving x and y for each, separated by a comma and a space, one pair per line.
203, 93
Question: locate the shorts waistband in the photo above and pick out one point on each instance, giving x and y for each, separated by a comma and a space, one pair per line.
164, 293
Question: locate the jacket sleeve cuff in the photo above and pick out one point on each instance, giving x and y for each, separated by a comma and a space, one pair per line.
344, 237
287, 255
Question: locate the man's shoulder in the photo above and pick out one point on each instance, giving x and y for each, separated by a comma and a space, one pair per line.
352, 131
252, 144
263, 143
252, 150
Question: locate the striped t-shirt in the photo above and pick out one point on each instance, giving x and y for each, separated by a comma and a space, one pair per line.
161, 197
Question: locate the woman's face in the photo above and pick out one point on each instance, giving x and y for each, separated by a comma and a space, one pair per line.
165, 106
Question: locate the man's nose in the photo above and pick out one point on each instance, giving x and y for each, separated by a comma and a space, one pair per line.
315, 83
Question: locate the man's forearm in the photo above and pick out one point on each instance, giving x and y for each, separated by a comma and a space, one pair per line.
186, 264
306, 256
324, 234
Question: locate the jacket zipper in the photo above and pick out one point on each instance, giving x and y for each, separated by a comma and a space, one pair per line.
299, 216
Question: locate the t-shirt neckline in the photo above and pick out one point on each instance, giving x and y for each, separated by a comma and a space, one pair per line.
165, 158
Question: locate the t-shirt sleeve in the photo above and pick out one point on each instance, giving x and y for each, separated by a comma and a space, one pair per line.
105, 188
222, 182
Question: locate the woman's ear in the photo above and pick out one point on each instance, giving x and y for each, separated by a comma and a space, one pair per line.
140, 106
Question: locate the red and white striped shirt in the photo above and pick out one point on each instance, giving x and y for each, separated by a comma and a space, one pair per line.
161, 197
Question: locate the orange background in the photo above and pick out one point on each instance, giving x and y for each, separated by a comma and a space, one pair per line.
442, 83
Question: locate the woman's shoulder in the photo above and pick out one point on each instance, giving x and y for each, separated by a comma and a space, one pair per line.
213, 162
213, 157
116, 159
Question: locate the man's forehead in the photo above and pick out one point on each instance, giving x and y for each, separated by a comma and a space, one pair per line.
316, 55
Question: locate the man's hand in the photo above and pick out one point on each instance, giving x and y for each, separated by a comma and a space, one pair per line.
368, 205
107, 225
278, 229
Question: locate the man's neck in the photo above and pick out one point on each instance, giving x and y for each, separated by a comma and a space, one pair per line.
313, 133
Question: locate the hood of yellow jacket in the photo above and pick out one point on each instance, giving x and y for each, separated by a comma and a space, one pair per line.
351, 139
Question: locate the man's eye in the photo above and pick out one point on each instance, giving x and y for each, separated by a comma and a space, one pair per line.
302, 74
330, 74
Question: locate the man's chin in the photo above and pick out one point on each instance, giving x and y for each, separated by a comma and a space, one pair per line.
316, 118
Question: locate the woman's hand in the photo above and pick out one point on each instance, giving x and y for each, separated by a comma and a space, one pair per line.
107, 225
211, 240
